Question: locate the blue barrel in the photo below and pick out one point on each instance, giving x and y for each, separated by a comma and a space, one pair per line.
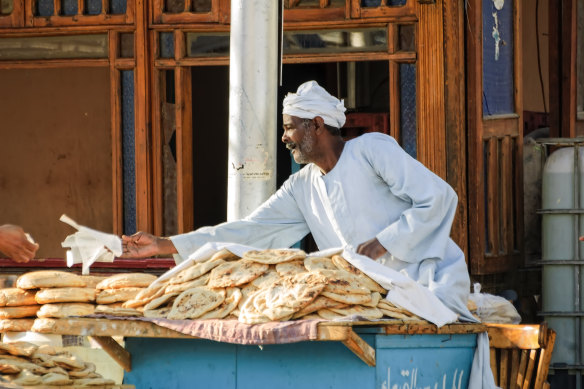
403, 361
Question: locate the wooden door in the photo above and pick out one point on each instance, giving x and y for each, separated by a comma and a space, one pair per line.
494, 120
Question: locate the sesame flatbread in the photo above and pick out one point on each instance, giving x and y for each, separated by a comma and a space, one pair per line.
236, 273
342, 264
343, 282
290, 268
194, 302
49, 279
65, 295
273, 256
232, 298
319, 263
195, 271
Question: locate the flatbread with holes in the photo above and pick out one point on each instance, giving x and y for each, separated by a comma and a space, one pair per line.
290, 268
19, 312
62, 310
127, 280
342, 264
343, 282
236, 273
321, 302
195, 271
266, 279
15, 297
194, 302
290, 294
110, 296
274, 256
49, 279
232, 298
65, 295
179, 288
319, 263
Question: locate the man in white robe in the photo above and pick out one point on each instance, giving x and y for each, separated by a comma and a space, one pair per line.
366, 193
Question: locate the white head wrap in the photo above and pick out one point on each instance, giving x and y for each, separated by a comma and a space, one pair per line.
311, 100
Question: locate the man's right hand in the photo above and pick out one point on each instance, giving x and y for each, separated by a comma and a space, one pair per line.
14, 243
143, 245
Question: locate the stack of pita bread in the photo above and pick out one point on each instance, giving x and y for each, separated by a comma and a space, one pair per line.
59, 294
119, 288
267, 285
26, 364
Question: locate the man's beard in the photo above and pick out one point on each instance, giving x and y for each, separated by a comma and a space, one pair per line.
304, 148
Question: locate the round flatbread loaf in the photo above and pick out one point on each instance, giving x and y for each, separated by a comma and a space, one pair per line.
343, 282
266, 279
19, 312
23, 349
236, 273
115, 310
160, 313
15, 297
65, 295
194, 302
16, 325
26, 378
92, 281
225, 255
321, 302
375, 299
195, 271
126, 280
232, 298
290, 268
248, 313
61, 310
160, 301
179, 288
49, 279
319, 263
351, 299
273, 256
56, 379
110, 296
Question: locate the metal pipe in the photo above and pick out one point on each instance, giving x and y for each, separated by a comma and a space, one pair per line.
253, 74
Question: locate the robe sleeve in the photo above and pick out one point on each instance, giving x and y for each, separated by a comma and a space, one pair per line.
277, 223
423, 230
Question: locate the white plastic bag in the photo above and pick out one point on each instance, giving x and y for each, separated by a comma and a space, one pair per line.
493, 309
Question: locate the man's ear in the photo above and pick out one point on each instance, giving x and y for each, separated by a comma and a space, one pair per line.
319, 123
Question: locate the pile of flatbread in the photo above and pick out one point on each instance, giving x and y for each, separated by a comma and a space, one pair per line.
26, 364
267, 285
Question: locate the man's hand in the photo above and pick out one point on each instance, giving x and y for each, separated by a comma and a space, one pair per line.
143, 244
372, 249
14, 243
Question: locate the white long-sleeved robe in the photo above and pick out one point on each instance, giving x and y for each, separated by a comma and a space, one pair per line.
375, 190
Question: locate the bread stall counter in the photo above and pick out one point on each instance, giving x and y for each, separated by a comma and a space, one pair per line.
266, 319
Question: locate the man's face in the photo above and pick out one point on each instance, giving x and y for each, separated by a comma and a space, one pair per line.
299, 137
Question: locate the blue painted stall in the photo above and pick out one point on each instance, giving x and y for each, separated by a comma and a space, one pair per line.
436, 361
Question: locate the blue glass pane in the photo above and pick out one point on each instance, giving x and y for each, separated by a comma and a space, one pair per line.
394, 3
128, 151
45, 7
166, 45
407, 102
118, 7
497, 58
69, 7
92, 7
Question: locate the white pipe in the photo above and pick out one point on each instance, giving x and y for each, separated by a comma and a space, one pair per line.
253, 92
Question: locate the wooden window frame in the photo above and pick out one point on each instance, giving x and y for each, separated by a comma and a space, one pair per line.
103, 19
15, 18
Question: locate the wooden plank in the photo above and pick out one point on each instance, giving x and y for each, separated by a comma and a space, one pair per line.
504, 369
394, 101
330, 333
114, 350
54, 63
454, 105
529, 372
544, 359
116, 129
361, 348
522, 369
493, 243
494, 365
508, 336
184, 155
514, 368
506, 195
158, 79
501, 127
569, 14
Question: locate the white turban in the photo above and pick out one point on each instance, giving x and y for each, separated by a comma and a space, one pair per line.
311, 100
